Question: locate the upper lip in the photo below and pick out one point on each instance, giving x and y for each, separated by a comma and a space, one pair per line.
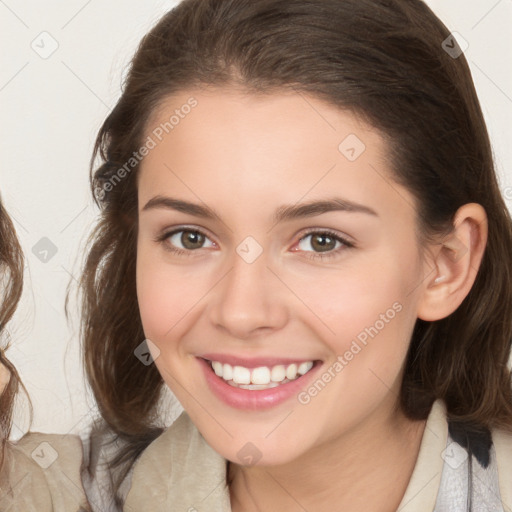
254, 362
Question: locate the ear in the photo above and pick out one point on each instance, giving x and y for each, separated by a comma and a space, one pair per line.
456, 261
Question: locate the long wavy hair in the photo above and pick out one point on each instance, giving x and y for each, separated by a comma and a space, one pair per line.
11, 284
384, 60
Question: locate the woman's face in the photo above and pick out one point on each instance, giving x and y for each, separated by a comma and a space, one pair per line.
273, 244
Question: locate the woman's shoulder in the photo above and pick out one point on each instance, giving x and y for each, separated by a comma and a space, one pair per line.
41, 472
477, 469
179, 471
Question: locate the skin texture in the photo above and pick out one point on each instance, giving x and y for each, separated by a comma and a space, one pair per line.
5, 377
244, 156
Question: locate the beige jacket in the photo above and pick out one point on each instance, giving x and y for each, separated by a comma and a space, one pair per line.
41, 473
180, 472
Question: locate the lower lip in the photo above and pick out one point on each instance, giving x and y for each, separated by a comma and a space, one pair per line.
257, 399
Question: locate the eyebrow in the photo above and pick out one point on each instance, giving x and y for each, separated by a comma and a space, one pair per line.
283, 213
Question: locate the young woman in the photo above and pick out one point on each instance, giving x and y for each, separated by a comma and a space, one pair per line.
302, 229
42, 471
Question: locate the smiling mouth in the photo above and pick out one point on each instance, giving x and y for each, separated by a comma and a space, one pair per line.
261, 377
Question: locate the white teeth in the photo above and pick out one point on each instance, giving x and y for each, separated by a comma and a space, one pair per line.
304, 368
217, 368
278, 373
227, 372
257, 387
262, 377
241, 375
291, 372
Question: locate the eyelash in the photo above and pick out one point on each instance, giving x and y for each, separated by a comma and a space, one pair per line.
312, 255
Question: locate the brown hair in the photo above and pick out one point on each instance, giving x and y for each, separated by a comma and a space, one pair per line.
384, 61
11, 278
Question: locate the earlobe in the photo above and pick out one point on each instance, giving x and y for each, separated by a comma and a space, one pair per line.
456, 262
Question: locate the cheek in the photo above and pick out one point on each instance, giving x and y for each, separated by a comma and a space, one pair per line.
376, 328
168, 295
367, 315
348, 302
158, 304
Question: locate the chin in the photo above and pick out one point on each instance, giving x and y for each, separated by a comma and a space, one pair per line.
245, 450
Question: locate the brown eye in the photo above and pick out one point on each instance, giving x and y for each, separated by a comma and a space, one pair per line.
192, 239
320, 242
187, 240
322, 245
323, 242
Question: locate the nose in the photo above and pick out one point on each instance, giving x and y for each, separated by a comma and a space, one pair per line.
249, 300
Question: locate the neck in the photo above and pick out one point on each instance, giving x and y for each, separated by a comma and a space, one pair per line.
379, 455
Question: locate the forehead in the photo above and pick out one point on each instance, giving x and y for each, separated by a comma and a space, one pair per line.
256, 149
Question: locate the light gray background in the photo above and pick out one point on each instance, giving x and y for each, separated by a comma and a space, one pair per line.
51, 108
